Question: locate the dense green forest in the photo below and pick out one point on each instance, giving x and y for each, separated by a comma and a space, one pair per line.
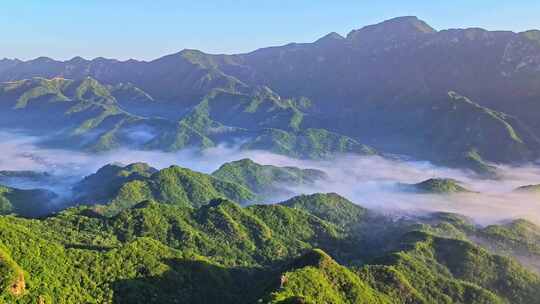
178, 236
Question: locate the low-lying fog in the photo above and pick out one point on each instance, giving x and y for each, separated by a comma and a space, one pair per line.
369, 181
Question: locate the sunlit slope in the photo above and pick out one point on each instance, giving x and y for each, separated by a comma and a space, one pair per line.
158, 253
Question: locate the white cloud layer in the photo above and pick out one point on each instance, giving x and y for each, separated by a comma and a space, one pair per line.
369, 181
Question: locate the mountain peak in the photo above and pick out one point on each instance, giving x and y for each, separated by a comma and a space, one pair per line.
42, 59
407, 24
77, 59
330, 38
392, 29
440, 186
184, 52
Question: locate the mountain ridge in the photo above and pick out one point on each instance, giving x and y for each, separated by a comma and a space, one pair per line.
377, 87
395, 20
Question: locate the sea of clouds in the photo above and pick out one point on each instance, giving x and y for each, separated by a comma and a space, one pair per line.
371, 181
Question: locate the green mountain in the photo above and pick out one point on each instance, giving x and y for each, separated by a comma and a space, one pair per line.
31, 203
439, 186
81, 114
316, 278
518, 238
258, 235
118, 187
224, 253
158, 252
267, 180
86, 114
310, 143
454, 271
466, 130
330, 207
104, 184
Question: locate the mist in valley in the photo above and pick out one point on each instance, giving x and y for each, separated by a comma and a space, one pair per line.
374, 182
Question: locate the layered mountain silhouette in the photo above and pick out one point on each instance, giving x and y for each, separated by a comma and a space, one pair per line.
461, 97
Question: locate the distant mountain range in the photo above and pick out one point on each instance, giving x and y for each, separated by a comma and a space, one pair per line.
460, 97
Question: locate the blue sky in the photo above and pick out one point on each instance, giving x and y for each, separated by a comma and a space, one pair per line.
147, 29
